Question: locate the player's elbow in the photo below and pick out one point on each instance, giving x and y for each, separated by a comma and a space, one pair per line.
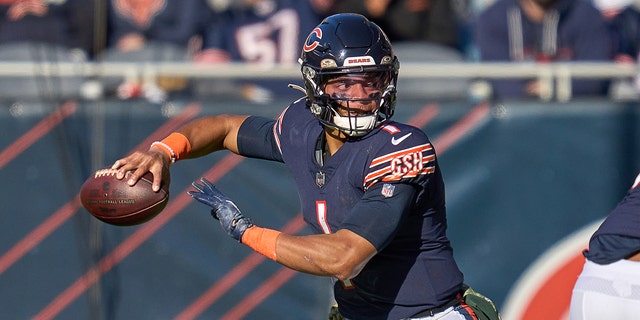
347, 273
351, 253
348, 264
344, 271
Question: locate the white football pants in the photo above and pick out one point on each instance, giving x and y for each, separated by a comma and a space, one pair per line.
605, 292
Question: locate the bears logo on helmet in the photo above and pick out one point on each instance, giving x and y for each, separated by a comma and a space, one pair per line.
317, 32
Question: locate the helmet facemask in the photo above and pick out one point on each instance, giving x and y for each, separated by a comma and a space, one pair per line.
339, 111
345, 45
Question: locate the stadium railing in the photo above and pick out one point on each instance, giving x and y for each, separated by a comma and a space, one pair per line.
555, 76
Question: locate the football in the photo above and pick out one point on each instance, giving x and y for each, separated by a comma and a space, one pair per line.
115, 202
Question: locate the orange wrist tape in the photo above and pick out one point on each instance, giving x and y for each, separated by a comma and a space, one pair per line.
179, 144
262, 240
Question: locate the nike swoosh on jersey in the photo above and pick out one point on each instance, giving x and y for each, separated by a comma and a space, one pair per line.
396, 142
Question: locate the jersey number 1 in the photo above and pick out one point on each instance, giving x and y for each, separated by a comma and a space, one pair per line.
321, 214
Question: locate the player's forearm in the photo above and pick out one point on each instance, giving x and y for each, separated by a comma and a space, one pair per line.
212, 133
334, 255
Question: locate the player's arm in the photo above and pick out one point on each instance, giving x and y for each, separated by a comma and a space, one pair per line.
369, 227
210, 134
342, 254
195, 139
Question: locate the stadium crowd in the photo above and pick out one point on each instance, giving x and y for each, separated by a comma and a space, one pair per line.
271, 31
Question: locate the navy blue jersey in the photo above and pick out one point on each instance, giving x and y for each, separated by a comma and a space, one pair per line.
386, 187
619, 235
272, 33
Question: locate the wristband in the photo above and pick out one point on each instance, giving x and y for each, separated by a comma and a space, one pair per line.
167, 148
176, 145
262, 240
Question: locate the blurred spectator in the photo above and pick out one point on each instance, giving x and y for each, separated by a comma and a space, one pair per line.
477, 6
421, 31
542, 31
63, 23
433, 88
264, 32
154, 31
433, 21
135, 23
40, 31
623, 19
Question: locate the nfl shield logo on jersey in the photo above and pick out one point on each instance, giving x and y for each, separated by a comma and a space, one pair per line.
387, 190
320, 179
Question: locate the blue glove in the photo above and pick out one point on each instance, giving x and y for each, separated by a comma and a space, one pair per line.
224, 210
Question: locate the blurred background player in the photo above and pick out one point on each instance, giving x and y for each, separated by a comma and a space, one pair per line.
609, 285
260, 32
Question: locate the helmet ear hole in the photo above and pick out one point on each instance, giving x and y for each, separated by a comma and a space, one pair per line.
320, 107
388, 103
316, 109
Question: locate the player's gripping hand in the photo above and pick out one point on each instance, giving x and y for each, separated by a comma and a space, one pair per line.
139, 163
223, 209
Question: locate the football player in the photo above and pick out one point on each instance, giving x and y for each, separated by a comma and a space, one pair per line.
370, 187
609, 285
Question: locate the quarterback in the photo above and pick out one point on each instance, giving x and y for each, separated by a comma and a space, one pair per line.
369, 187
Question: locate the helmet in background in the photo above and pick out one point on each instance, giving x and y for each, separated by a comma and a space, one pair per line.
348, 44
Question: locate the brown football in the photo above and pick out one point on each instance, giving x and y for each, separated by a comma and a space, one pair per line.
115, 202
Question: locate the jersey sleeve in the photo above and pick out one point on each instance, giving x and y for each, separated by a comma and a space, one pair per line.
256, 139
618, 236
405, 156
380, 213
401, 182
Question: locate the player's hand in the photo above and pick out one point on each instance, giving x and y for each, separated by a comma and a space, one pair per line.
223, 209
139, 163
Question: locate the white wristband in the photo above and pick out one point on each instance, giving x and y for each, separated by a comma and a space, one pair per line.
172, 153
